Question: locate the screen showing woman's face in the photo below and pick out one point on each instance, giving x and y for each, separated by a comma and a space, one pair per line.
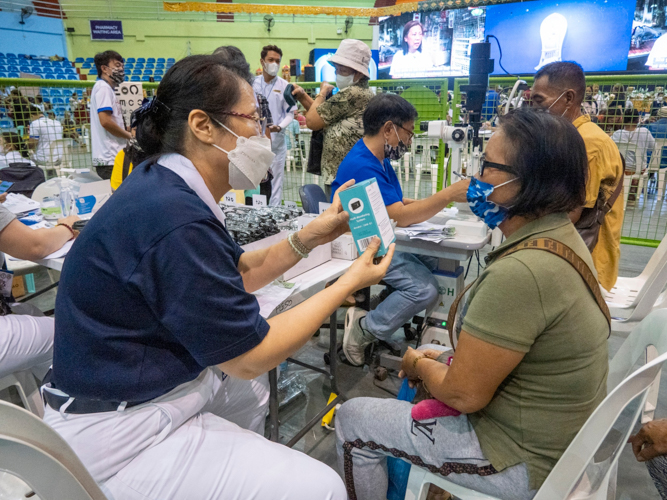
414, 38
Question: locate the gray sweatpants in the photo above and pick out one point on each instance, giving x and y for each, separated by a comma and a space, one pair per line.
370, 429
658, 470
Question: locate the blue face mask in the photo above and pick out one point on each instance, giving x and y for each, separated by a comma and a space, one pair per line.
491, 213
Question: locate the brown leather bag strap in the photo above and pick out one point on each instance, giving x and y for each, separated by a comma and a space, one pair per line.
556, 248
614, 196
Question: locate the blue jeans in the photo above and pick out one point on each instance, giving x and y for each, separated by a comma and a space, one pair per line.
415, 289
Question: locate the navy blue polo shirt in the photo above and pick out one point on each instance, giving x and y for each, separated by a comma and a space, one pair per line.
150, 294
360, 164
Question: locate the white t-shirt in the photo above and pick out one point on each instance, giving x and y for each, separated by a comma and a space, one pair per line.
46, 130
282, 113
410, 65
13, 157
105, 145
643, 141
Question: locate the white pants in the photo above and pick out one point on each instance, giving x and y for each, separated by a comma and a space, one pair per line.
26, 343
190, 445
278, 171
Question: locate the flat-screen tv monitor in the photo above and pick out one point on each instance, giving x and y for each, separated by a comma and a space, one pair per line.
324, 70
594, 33
429, 44
648, 42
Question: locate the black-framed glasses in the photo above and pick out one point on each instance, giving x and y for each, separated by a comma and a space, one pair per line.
484, 164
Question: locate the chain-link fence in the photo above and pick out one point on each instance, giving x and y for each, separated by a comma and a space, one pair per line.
627, 107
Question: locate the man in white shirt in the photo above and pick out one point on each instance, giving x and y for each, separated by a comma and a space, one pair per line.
634, 143
107, 129
43, 131
272, 87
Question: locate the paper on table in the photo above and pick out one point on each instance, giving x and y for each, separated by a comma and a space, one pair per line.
270, 297
18, 204
424, 231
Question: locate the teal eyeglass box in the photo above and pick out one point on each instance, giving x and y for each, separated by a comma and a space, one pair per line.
368, 215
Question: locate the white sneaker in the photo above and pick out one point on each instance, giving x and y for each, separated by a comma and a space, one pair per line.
355, 338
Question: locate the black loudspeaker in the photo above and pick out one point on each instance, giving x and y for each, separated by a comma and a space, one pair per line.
295, 67
309, 74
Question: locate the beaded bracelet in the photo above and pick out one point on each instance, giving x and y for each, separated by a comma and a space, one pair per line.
68, 227
298, 246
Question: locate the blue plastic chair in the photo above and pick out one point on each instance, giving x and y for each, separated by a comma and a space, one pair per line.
160, 60
157, 78
139, 65
11, 56
311, 195
150, 60
6, 123
90, 60
86, 65
93, 72
13, 69
2, 68
47, 100
159, 66
79, 92
13, 75
50, 77
145, 78
159, 72
25, 69
148, 72
72, 77
150, 66
135, 78
141, 59
79, 60
171, 60
129, 66
58, 100
136, 72
55, 92
130, 60
2, 55
3, 75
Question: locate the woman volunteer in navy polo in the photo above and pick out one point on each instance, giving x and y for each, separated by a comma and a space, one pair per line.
160, 353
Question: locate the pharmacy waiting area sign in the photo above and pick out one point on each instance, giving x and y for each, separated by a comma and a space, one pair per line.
106, 30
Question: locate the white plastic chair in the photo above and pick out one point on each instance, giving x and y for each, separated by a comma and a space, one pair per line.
576, 474
631, 299
25, 384
32, 451
635, 162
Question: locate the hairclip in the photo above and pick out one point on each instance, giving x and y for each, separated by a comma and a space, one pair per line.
147, 107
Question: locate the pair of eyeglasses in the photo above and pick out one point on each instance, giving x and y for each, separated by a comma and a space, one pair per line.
255, 118
484, 164
411, 134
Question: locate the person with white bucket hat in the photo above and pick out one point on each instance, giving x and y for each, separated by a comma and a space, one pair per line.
340, 115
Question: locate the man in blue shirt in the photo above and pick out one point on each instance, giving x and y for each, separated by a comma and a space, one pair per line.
659, 131
388, 124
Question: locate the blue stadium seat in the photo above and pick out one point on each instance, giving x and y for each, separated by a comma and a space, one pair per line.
55, 92
148, 72
79, 92
171, 60
46, 100
3, 75
23, 56
159, 72
25, 69
141, 59
135, 78
151, 60
159, 66
130, 60
13, 69
72, 77
93, 72
2, 68
161, 60
86, 65
50, 77
150, 66
136, 72
158, 78
139, 65
127, 78
145, 78
13, 75
2, 55
6, 123
79, 60
129, 65
10, 55
58, 100
90, 59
